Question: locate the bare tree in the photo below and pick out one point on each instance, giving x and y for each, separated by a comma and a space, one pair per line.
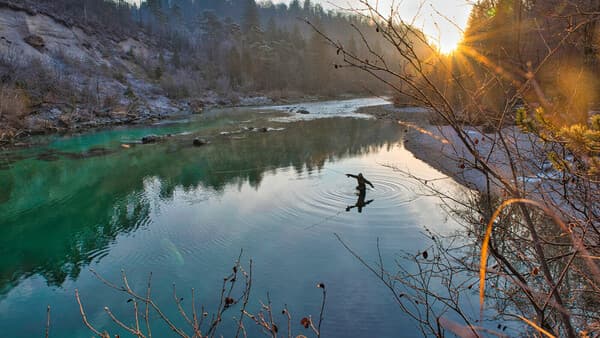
537, 176
199, 323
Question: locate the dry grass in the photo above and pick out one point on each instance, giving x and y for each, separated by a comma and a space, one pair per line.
537, 327
14, 105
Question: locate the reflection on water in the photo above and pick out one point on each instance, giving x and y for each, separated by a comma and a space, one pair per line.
184, 212
103, 196
360, 203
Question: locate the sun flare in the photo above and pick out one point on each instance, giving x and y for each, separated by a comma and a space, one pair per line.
449, 42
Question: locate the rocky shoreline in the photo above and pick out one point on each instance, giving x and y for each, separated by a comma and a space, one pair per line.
435, 145
440, 147
61, 119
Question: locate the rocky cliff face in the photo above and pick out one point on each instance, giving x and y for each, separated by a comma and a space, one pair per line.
60, 76
32, 36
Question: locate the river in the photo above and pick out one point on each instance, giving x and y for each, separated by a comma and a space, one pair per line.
184, 213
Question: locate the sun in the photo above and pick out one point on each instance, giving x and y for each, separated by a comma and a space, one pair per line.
448, 42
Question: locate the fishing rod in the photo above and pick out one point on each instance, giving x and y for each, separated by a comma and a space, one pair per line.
324, 220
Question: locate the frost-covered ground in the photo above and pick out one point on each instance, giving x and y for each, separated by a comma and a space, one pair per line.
441, 147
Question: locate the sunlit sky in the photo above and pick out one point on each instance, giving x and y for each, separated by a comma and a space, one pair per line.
442, 20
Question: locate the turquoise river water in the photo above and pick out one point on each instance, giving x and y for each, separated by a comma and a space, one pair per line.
184, 213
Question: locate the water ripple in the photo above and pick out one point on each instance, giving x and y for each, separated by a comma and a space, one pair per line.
327, 202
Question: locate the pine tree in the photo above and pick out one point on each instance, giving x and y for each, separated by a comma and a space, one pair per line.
251, 20
271, 31
352, 47
307, 7
234, 68
295, 7
155, 7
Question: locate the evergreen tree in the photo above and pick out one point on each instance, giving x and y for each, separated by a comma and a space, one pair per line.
307, 7
234, 68
251, 20
351, 46
272, 32
295, 7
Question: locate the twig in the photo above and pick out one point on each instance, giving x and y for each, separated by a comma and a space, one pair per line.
48, 322
85, 320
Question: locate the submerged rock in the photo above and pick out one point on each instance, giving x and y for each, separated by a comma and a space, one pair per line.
48, 156
198, 142
150, 139
303, 111
256, 129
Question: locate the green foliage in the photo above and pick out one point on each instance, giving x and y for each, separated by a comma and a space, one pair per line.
523, 121
119, 76
176, 60
581, 140
251, 20
557, 161
174, 88
158, 72
595, 122
129, 93
130, 55
20, 84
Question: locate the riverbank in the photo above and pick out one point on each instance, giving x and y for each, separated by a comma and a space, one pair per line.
64, 119
440, 147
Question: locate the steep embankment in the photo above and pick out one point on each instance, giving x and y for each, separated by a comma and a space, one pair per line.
56, 75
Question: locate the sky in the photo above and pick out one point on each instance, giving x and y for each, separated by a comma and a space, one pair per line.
442, 20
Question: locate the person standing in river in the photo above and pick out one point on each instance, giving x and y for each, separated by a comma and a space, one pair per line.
362, 182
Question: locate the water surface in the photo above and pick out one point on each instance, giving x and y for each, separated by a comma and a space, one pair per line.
183, 213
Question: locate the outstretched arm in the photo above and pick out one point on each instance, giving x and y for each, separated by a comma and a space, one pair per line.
350, 175
369, 183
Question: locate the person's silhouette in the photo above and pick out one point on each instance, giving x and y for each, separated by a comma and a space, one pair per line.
360, 203
362, 182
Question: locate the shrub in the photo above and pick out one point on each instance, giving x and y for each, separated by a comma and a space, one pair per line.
129, 93
120, 77
14, 105
110, 101
174, 88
